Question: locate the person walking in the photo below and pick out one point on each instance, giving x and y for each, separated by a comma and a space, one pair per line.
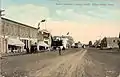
27, 49
59, 50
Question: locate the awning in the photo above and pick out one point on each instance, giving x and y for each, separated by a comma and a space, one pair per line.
73, 44
15, 42
43, 44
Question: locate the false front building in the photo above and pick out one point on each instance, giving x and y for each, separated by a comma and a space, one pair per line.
17, 36
45, 40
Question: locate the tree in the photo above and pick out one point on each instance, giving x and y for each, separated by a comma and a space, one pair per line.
90, 43
103, 43
119, 34
119, 44
43, 20
78, 41
97, 43
68, 33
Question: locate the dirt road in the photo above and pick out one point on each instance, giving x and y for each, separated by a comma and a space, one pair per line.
63, 66
72, 63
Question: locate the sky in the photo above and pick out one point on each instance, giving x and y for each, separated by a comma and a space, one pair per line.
85, 20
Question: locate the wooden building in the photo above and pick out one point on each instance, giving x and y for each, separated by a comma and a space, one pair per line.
18, 35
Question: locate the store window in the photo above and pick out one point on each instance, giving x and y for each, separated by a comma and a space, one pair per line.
46, 42
113, 40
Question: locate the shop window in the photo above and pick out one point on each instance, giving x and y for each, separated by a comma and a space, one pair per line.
118, 41
25, 44
113, 40
46, 42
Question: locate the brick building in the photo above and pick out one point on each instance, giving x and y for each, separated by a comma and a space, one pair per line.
110, 42
21, 35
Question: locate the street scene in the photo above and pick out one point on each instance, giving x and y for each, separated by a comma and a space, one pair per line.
54, 38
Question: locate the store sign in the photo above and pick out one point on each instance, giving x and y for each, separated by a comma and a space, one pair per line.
46, 35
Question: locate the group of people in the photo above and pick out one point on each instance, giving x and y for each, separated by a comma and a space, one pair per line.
33, 49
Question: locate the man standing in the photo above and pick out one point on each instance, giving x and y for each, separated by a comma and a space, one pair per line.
27, 49
59, 50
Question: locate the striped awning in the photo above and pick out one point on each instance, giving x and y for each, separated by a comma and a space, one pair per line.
42, 43
15, 42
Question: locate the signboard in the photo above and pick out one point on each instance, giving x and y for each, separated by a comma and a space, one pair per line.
57, 43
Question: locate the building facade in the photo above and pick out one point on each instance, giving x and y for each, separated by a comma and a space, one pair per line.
97, 43
113, 42
1, 44
16, 33
110, 42
70, 41
67, 41
44, 42
46, 36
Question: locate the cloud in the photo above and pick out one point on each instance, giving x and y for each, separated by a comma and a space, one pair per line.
83, 24
28, 13
89, 14
71, 15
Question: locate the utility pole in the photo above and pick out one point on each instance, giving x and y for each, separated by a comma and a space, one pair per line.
1, 33
44, 23
39, 29
1, 41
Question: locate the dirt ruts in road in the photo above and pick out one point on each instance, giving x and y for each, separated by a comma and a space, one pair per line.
96, 65
71, 65
82, 63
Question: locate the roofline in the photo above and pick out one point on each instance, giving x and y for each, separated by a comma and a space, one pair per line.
44, 30
17, 22
112, 37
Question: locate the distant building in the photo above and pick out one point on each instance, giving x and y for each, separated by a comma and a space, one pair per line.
46, 36
70, 40
111, 42
97, 43
57, 41
45, 40
67, 41
77, 45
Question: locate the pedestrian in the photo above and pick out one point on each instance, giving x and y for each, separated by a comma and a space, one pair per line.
27, 49
0, 56
63, 48
12, 49
59, 50
83, 46
35, 49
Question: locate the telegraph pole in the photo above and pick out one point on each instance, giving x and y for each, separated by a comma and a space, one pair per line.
2, 37
1, 44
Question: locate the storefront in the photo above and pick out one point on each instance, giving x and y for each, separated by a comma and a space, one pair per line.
15, 45
42, 46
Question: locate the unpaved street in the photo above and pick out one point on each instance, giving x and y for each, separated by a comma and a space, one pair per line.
72, 63
65, 66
